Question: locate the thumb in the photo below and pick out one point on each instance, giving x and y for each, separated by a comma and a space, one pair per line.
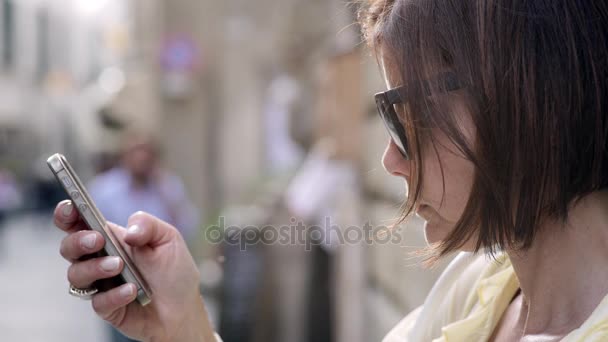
147, 230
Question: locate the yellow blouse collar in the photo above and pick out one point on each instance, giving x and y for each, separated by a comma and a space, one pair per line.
494, 291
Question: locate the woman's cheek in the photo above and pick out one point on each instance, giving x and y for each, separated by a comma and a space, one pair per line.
447, 179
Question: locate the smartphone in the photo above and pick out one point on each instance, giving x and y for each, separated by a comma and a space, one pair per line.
93, 218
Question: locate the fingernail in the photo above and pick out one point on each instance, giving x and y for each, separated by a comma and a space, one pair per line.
127, 290
110, 264
89, 240
134, 229
67, 209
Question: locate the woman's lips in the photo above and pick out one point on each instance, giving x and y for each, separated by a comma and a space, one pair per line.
422, 207
423, 212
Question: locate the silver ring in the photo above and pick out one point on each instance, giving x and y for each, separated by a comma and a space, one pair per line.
85, 294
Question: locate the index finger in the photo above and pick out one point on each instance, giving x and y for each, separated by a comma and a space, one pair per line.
66, 217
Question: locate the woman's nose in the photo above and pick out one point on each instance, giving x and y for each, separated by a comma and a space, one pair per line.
394, 163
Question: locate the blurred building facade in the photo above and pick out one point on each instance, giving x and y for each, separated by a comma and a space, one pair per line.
61, 60
197, 73
216, 99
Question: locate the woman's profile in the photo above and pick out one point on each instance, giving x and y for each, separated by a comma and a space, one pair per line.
497, 116
497, 112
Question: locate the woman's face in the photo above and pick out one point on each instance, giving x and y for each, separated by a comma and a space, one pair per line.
440, 216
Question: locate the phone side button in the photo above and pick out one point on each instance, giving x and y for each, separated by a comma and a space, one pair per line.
75, 195
83, 208
66, 181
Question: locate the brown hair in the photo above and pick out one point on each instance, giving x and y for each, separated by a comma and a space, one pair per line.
537, 85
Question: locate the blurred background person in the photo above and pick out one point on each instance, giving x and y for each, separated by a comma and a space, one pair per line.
311, 198
140, 183
283, 154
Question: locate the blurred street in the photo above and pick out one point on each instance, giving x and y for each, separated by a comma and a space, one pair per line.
33, 290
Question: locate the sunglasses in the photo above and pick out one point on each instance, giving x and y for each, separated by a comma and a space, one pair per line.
387, 100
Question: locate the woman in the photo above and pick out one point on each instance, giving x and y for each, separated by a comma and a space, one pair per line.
496, 111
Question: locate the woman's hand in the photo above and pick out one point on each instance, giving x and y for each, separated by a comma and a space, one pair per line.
177, 311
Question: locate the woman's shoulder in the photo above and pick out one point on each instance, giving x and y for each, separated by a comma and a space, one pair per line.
452, 298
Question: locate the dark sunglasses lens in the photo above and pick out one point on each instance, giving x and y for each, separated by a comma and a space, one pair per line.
392, 124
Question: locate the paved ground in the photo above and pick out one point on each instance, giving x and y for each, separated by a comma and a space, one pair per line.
34, 303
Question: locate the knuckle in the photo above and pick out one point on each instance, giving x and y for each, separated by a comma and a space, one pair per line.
73, 277
98, 304
112, 317
61, 225
65, 247
83, 273
172, 230
62, 251
105, 307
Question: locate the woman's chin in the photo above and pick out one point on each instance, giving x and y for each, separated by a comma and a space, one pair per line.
435, 235
432, 234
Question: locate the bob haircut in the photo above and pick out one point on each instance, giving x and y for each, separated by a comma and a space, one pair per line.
536, 75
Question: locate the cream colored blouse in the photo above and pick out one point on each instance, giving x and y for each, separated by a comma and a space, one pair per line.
468, 300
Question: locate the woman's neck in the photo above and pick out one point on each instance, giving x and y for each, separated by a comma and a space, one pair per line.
563, 276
